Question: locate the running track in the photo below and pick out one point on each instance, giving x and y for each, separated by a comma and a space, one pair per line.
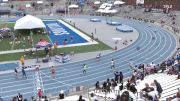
71, 74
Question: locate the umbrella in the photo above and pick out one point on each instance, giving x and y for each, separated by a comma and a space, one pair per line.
97, 2
43, 43
103, 6
28, 5
73, 6
39, 2
117, 39
118, 2
99, 10
113, 11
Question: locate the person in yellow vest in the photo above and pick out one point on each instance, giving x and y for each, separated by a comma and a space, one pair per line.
22, 60
93, 97
55, 47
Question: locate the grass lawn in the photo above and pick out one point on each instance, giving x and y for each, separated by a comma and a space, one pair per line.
22, 36
36, 37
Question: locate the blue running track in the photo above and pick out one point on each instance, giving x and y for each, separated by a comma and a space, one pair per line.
68, 75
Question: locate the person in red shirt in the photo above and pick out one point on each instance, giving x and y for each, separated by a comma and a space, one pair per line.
53, 71
40, 94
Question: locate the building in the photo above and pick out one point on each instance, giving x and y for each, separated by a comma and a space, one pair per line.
163, 4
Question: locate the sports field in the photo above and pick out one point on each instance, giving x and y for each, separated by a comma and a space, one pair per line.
70, 75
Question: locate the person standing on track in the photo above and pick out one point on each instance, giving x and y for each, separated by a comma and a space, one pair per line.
53, 71
24, 73
84, 69
112, 64
16, 73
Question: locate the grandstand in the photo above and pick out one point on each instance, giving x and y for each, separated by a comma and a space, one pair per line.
89, 51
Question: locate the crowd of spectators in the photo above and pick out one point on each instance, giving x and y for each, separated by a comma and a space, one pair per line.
170, 66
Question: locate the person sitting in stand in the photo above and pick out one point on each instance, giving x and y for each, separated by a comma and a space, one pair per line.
61, 94
80, 98
147, 90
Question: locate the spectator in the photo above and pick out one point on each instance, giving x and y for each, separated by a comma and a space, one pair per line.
120, 77
178, 95
19, 97
97, 86
104, 87
93, 97
61, 94
113, 84
108, 86
80, 98
46, 50
133, 88
33, 99
178, 77
163, 66
128, 85
14, 99
1, 99
125, 96
147, 89
158, 88
116, 74
118, 98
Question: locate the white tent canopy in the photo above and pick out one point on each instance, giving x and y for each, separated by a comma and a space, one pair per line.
39, 2
113, 11
28, 5
97, 2
118, 2
73, 6
29, 22
103, 6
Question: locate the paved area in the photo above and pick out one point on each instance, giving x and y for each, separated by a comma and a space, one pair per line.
104, 32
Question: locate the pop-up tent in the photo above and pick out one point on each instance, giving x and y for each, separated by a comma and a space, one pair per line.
43, 43
29, 22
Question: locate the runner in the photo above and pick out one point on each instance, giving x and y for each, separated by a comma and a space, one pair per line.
84, 69
37, 68
112, 64
53, 71
16, 72
24, 73
98, 56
